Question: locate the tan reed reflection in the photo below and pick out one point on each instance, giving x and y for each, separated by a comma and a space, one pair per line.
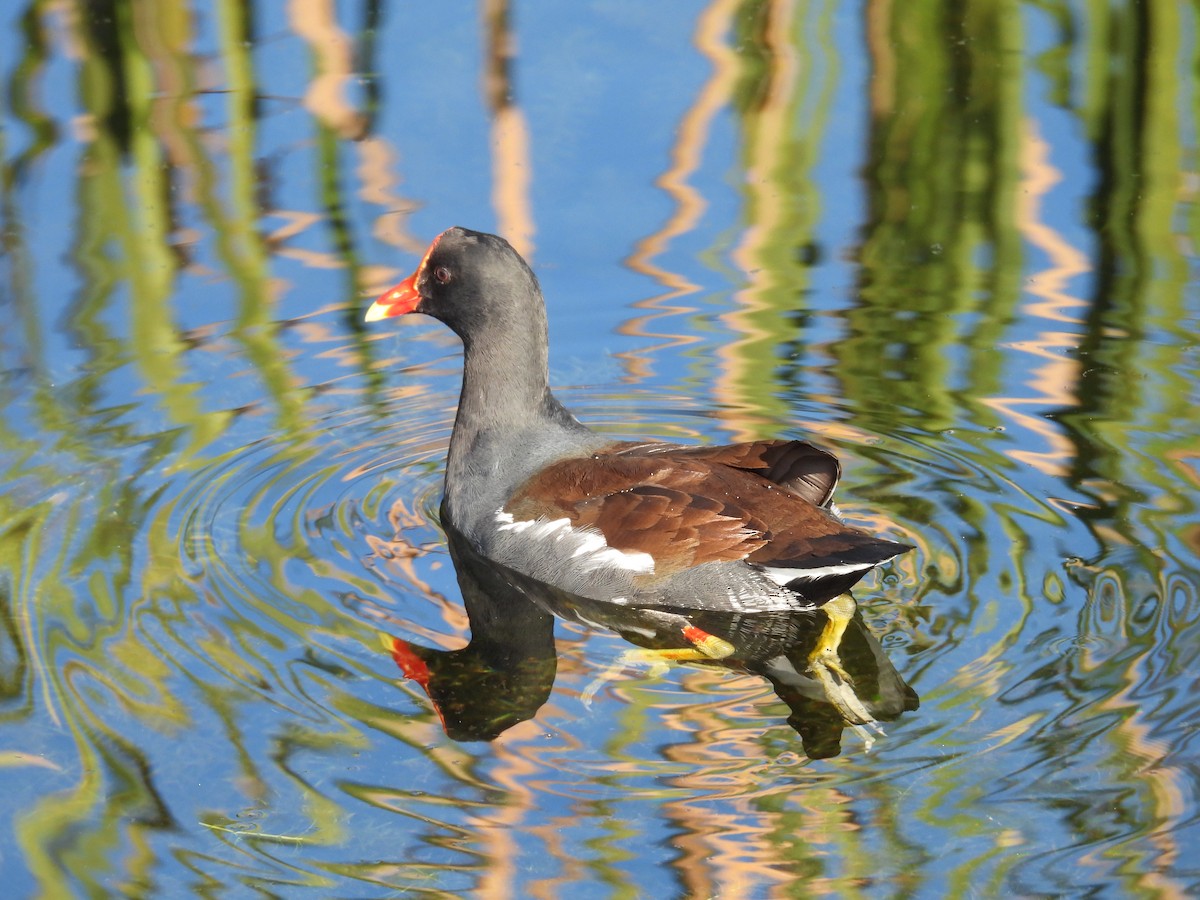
378, 184
512, 169
1054, 369
711, 39
316, 22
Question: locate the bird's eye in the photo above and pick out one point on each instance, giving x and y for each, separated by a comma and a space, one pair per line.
442, 274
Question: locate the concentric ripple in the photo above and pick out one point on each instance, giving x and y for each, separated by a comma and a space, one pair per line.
290, 560
282, 537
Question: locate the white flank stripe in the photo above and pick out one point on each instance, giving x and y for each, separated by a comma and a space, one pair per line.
582, 543
784, 576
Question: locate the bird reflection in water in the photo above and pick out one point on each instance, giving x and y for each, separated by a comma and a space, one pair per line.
823, 663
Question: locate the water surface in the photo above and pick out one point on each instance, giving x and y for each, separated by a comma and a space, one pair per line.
955, 245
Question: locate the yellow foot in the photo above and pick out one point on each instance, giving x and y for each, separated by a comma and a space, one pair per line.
705, 646
825, 665
840, 611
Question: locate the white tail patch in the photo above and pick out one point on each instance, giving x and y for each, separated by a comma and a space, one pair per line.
584, 544
782, 575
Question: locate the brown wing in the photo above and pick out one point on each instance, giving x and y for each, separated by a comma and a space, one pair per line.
803, 469
683, 511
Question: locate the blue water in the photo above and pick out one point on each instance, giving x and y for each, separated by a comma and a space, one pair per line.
956, 249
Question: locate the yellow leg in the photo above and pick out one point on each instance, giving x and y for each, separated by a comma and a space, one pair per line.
705, 646
825, 665
840, 611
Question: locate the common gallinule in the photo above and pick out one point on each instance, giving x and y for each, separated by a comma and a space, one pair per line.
743, 528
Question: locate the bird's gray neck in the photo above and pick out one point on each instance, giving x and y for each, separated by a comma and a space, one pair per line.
505, 378
508, 425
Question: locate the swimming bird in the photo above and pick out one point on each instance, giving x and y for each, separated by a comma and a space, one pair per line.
746, 527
